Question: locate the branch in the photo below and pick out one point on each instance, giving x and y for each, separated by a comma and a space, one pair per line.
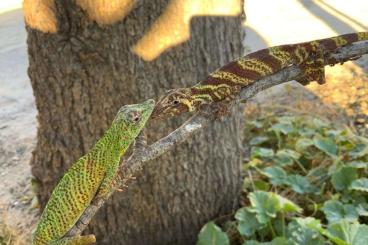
144, 153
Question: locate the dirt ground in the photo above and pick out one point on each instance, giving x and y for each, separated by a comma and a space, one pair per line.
343, 99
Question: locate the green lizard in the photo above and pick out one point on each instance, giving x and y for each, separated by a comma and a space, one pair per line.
90, 177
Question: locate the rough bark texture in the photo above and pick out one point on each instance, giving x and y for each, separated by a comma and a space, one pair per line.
85, 72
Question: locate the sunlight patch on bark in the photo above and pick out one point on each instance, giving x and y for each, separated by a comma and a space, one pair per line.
173, 26
39, 14
106, 12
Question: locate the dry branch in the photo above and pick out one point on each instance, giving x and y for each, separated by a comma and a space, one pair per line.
144, 153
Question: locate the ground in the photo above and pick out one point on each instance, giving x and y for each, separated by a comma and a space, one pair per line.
268, 23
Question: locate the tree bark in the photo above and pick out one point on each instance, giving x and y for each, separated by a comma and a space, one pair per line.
83, 73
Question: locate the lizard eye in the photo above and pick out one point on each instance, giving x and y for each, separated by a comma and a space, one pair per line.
175, 102
136, 118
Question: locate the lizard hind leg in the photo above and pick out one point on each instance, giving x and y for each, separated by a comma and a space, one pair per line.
313, 69
77, 240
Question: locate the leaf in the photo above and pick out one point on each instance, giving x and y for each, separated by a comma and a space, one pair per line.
302, 144
261, 185
359, 150
256, 123
262, 152
336, 211
351, 234
326, 145
286, 119
283, 160
276, 175
357, 164
286, 157
342, 178
247, 222
319, 123
264, 205
276, 241
211, 234
290, 153
307, 132
258, 140
300, 184
305, 231
286, 205
282, 127
279, 241
360, 185
362, 209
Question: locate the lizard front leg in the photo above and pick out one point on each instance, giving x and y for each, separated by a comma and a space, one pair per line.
108, 183
313, 69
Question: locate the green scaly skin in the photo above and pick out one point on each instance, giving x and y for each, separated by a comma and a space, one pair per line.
92, 176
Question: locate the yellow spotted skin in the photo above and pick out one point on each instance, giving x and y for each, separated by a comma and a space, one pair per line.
224, 84
91, 176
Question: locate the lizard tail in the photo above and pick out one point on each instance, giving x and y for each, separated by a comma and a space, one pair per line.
332, 43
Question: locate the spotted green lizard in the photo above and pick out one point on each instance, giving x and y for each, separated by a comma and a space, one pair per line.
92, 176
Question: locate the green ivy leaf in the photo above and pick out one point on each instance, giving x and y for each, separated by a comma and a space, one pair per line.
247, 222
282, 127
359, 150
283, 160
289, 153
258, 140
279, 241
350, 234
261, 185
302, 144
264, 204
286, 119
360, 185
300, 184
305, 231
276, 175
336, 211
276, 241
342, 178
307, 132
262, 152
286, 205
255, 123
286, 157
319, 123
326, 145
357, 164
211, 234
362, 209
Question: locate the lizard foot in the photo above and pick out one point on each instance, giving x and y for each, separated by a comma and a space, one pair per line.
218, 110
313, 69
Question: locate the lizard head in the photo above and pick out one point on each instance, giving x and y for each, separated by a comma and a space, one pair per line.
130, 119
174, 102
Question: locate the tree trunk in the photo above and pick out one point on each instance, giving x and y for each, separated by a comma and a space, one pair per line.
83, 73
